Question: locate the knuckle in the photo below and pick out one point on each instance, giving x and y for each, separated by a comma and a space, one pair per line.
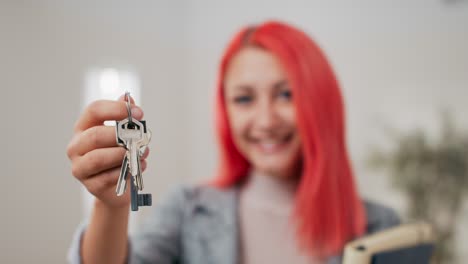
70, 151
76, 170
93, 188
96, 187
71, 148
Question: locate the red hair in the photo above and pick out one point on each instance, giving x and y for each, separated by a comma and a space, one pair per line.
328, 211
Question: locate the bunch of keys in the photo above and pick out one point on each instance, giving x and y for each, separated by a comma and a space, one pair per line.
134, 137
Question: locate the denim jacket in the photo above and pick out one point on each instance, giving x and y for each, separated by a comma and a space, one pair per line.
198, 225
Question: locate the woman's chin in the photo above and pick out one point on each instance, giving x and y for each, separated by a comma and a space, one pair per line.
273, 169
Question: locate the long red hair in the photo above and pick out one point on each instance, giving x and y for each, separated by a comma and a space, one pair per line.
328, 211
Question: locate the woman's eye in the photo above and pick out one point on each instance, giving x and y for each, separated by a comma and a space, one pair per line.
286, 94
243, 99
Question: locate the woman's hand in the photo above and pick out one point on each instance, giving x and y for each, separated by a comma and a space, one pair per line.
96, 158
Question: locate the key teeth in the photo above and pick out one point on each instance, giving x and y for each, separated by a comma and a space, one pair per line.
145, 199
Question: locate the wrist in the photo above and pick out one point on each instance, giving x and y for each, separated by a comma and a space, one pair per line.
102, 206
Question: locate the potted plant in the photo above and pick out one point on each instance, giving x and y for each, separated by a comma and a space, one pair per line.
433, 177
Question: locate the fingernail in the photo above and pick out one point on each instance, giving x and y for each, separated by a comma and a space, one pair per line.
137, 112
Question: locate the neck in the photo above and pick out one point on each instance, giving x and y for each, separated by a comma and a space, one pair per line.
271, 191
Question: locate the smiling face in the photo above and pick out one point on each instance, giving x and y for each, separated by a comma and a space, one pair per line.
261, 112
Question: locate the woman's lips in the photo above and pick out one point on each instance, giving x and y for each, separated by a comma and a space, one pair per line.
272, 147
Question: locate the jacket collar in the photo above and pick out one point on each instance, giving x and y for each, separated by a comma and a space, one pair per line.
215, 214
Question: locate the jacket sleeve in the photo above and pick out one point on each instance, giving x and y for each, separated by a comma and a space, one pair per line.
380, 217
158, 239
74, 251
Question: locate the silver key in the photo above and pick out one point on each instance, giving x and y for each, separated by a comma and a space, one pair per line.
122, 181
132, 135
137, 199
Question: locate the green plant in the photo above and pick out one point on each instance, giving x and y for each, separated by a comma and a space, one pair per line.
433, 176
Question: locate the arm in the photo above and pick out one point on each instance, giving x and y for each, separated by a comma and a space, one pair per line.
105, 240
158, 240
96, 161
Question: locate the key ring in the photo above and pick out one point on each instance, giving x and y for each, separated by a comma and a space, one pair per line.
127, 100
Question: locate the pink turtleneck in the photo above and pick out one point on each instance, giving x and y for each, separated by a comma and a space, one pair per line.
267, 234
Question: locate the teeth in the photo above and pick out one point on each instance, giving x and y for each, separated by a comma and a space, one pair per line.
272, 142
269, 146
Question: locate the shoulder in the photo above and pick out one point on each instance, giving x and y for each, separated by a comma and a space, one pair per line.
379, 217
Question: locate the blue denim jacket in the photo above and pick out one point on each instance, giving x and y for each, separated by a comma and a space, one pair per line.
198, 225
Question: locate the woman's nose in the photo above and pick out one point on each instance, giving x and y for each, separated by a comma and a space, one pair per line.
266, 117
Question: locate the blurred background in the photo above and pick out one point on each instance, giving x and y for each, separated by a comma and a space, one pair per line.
400, 64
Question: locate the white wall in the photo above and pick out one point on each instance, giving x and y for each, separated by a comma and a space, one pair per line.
397, 61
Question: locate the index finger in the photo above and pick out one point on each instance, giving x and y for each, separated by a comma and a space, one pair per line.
102, 110
122, 98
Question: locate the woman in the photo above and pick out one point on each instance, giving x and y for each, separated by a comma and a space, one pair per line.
284, 191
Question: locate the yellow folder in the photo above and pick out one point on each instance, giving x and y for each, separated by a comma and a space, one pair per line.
409, 243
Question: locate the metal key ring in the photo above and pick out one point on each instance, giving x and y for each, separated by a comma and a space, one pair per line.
127, 100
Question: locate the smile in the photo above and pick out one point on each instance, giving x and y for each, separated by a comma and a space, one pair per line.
272, 146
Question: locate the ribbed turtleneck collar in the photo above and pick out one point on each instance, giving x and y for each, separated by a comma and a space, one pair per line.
270, 193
